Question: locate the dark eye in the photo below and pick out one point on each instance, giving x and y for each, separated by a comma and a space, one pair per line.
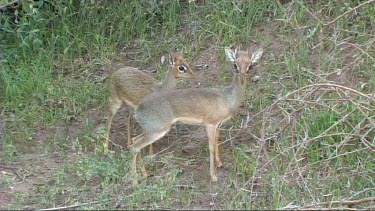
250, 67
236, 67
182, 69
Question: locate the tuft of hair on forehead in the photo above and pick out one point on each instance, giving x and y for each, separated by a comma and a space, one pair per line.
176, 54
175, 57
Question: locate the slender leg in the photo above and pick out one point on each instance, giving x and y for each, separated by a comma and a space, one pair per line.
108, 132
134, 170
211, 145
135, 159
129, 126
139, 142
151, 150
217, 152
143, 168
114, 105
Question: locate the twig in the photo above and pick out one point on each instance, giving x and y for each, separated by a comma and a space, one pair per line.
76, 205
363, 51
14, 170
229, 139
349, 11
348, 203
359, 108
16, 173
356, 32
332, 208
9, 3
312, 14
8, 167
360, 192
165, 149
306, 166
185, 186
113, 143
329, 85
339, 17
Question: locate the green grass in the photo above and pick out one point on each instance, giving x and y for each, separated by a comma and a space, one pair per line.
53, 62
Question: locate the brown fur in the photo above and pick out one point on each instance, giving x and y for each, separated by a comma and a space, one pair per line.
129, 85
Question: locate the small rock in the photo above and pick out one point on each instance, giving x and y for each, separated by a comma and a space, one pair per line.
256, 78
339, 72
162, 59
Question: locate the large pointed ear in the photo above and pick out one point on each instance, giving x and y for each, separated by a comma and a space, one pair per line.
256, 56
231, 55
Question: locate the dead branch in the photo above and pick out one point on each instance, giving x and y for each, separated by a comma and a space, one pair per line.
9, 3
332, 208
359, 108
363, 51
77, 205
327, 85
8, 167
311, 14
349, 11
14, 170
337, 18
346, 203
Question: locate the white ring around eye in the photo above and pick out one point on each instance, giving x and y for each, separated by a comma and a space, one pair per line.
182, 69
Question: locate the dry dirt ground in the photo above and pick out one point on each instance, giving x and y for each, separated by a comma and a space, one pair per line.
31, 171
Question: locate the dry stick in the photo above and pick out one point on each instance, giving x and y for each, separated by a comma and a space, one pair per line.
116, 145
339, 17
8, 167
229, 139
13, 170
312, 14
358, 107
329, 85
306, 166
319, 85
9, 3
333, 208
363, 51
360, 192
349, 11
165, 149
74, 206
355, 32
365, 142
353, 202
